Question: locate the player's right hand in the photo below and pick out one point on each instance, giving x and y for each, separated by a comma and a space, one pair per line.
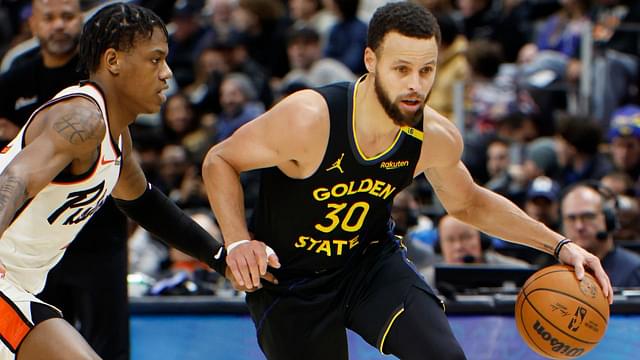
248, 262
579, 258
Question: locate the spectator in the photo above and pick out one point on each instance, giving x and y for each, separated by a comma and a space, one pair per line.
236, 54
493, 91
519, 128
148, 148
628, 211
498, 159
210, 67
174, 162
405, 213
557, 45
33, 81
624, 136
307, 65
619, 182
615, 64
577, 148
541, 159
502, 22
542, 203
184, 40
191, 193
461, 244
181, 126
348, 37
263, 25
237, 98
437, 7
452, 66
500, 170
311, 14
588, 220
219, 19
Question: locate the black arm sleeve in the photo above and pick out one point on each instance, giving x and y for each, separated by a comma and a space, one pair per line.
157, 214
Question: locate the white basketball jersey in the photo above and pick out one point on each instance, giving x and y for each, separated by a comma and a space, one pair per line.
43, 228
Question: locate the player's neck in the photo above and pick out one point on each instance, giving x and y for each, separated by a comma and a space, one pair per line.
119, 115
55, 61
374, 130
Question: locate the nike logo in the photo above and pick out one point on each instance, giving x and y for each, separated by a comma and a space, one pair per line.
219, 253
107, 162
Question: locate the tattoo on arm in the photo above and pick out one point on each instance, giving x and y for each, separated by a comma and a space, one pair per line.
13, 193
79, 126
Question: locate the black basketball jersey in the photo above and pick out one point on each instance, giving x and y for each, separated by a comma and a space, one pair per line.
321, 222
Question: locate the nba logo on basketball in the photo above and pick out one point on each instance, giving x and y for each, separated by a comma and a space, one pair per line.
560, 317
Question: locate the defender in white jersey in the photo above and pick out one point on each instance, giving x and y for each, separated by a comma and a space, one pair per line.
41, 230
72, 153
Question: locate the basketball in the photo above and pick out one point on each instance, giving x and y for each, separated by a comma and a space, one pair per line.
560, 317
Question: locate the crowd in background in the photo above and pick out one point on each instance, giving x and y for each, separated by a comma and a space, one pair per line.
520, 65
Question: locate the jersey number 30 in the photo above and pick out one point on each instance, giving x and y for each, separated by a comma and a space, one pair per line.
351, 221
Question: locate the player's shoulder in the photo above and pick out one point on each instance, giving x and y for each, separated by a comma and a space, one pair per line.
77, 120
306, 108
308, 101
438, 127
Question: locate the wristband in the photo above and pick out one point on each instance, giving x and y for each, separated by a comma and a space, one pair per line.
233, 245
559, 245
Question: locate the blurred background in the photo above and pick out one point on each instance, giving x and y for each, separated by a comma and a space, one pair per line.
545, 93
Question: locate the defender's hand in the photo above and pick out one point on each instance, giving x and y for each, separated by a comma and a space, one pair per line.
248, 261
572, 254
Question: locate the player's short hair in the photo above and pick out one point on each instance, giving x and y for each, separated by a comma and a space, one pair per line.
115, 26
406, 18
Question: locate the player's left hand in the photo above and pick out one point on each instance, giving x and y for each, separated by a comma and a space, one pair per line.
248, 261
236, 285
579, 258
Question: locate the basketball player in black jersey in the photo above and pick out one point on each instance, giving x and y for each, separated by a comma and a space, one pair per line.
333, 160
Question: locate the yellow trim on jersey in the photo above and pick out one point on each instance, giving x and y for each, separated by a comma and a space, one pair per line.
393, 319
353, 124
413, 132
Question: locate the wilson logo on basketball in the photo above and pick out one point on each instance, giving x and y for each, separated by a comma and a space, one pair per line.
557, 345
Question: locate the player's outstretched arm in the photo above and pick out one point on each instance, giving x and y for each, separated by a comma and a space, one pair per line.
150, 208
490, 212
281, 137
66, 131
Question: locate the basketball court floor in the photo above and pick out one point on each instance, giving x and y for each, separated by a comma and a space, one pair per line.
232, 337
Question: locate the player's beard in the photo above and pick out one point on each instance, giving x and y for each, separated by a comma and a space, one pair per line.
393, 110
